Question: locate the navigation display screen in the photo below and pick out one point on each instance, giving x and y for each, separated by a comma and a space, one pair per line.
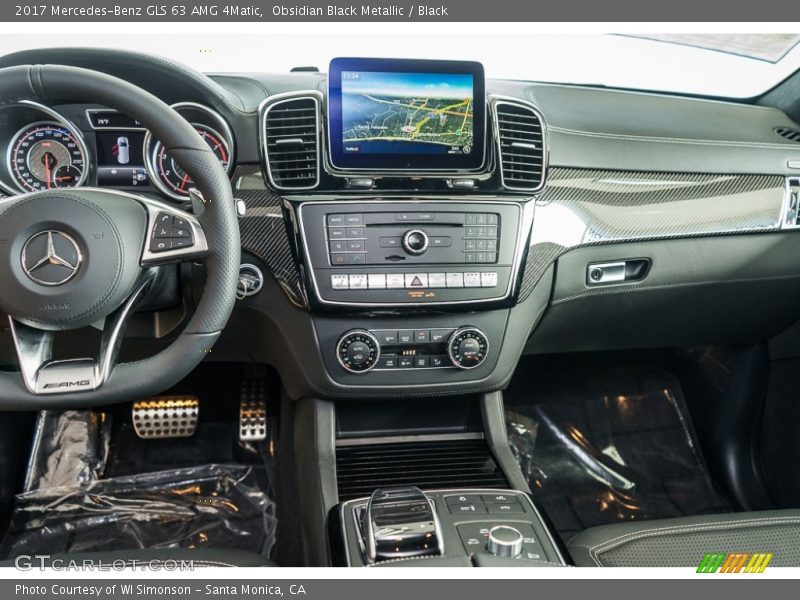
406, 115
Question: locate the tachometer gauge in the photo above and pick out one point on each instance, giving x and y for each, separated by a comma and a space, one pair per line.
171, 178
44, 156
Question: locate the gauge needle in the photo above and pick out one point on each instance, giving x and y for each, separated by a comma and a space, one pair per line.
184, 181
47, 169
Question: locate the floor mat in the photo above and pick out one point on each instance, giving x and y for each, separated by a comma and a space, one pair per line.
95, 486
212, 505
607, 446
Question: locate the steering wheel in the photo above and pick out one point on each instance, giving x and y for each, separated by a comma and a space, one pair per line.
70, 258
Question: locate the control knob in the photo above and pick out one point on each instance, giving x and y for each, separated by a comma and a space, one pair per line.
505, 541
358, 351
415, 242
467, 347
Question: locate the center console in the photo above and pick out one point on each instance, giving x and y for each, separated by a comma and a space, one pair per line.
397, 285
409, 193
471, 527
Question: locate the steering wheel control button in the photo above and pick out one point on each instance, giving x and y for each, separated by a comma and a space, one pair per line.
358, 351
505, 541
415, 242
170, 233
467, 347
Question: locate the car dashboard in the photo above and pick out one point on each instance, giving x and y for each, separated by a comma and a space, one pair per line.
558, 204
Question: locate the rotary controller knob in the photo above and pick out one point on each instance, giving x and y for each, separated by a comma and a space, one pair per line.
505, 541
358, 351
415, 242
467, 347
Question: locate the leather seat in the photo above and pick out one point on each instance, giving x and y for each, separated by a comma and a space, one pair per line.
683, 542
156, 558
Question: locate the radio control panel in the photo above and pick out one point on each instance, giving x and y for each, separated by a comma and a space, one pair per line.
396, 253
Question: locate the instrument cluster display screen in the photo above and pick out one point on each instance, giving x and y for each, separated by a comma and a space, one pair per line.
406, 115
120, 158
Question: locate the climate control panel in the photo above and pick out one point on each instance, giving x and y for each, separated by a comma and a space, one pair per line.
361, 350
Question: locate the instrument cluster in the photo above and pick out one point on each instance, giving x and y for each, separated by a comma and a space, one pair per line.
43, 150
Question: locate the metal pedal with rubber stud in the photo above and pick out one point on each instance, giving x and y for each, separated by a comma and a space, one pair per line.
166, 417
253, 411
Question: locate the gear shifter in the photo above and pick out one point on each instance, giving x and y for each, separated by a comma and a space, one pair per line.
401, 523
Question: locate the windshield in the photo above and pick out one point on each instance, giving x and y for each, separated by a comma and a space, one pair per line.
726, 65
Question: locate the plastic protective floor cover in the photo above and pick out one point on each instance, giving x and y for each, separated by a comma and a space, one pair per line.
607, 446
67, 508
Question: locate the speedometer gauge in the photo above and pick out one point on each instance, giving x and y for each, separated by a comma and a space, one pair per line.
43, 156
171, 177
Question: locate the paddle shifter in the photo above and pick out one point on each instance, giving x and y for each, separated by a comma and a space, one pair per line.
401, 523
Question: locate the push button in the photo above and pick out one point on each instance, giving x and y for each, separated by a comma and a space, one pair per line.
163, 232
395, 281
353, 219
377, 281
356, 259
416, 280
387, 362
386, 336
160, 245
467, 508
405, 362
340, 282
336, 221
439, 361
499, 498
390, 242
463, 499
504, 508
439, 336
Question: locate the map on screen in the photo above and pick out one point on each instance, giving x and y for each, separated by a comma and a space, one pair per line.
407, 113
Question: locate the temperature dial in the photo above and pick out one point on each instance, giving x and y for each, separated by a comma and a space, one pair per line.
358, 351
467, 347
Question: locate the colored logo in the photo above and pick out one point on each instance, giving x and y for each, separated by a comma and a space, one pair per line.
737, 562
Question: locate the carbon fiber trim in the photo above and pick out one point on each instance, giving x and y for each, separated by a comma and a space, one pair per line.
584, 207
264, 231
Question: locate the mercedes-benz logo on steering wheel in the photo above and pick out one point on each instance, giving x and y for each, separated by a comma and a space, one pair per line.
51, 257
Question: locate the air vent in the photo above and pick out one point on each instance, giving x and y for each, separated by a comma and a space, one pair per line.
522, 148
788, 133
291, 142
361, 469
